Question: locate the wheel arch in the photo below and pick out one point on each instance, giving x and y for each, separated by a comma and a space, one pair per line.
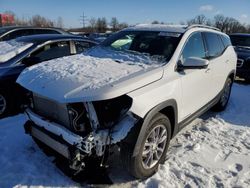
232, 75
168, 108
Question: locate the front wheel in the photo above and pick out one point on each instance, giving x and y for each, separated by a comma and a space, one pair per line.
152, 151
222, 103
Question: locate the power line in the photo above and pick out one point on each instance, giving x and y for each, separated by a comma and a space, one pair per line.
83, 20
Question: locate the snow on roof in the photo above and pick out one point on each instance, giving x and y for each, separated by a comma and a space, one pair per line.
9, 49
159, 27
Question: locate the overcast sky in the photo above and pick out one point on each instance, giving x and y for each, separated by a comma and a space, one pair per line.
130, 11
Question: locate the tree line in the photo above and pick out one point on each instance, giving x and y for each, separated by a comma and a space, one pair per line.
95, 24
224, 23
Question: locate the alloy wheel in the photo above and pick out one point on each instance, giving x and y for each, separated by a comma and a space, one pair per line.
154, 146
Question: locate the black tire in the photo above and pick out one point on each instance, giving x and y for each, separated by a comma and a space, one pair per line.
134, 164
224, 98
6, 99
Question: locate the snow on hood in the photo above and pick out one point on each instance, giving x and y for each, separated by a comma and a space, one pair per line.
11, 48
80, 77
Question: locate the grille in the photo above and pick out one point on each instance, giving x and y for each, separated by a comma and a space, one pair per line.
51, 110
240, 62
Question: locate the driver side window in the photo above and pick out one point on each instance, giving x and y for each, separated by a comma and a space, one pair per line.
193, 48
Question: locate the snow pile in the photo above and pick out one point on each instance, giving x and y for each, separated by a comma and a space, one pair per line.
11, 48
22, 162
213, 151
159, 27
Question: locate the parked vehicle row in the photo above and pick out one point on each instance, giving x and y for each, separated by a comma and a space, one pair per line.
12, 32
22, 52
135, 90
241, 43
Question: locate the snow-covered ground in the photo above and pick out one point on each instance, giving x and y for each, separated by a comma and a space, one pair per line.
213, 151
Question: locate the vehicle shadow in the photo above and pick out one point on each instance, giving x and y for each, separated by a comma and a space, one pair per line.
94, 175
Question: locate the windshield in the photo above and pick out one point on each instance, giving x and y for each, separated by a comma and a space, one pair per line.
11, 48
240, 40
158, 45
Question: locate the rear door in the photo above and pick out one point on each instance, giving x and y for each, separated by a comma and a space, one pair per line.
196, 83
217, 61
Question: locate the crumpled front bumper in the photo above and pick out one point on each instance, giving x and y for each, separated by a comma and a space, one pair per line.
63, 140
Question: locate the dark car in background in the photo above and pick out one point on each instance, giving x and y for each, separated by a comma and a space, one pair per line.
12, 32
241, 43
17, 54
99, 37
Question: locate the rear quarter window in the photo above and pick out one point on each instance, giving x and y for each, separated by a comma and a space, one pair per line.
226, 40
214, 45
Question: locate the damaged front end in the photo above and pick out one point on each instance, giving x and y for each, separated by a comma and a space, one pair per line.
80, 130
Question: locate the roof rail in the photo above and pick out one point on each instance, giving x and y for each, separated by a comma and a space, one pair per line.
203, 26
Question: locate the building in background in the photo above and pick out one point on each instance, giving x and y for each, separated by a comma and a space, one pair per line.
6, 19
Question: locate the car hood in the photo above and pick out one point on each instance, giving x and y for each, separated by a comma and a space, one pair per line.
86, 78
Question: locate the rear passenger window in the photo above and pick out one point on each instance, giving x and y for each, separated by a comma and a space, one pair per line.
194, 47
51, 51
214, 45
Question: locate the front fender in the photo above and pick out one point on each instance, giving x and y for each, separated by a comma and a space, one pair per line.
169, 103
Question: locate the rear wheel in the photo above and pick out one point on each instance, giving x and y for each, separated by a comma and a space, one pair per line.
222, 103
152, 151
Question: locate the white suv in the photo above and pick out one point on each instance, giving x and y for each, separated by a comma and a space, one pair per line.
136, 91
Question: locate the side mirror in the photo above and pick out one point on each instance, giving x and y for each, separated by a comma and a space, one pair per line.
193, 63
31, 61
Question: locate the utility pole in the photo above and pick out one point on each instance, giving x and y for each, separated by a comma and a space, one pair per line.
83, 20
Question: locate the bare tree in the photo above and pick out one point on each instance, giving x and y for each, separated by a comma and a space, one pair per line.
114, 24
92, 23
59, 22
228, 24
101, 24
122, 25
200, 19
40, 21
